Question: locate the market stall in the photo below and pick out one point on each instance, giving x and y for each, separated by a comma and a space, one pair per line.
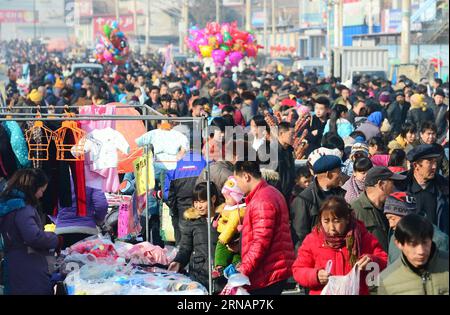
101, 265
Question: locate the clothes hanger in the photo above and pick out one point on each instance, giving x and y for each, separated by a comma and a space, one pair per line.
38, 148
75, 149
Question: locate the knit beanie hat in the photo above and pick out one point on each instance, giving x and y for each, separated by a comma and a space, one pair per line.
376, 119
35, 96
360, 147
230, 188
385, 97
418, 101
399, 203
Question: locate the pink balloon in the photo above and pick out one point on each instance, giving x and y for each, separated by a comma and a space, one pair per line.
202, 41
219, 56
235, 57
107, 55
225, 27
100, 48
212, 28
219, 38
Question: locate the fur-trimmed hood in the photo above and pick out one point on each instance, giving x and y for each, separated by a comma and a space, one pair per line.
191, 213
270, 175
15, 201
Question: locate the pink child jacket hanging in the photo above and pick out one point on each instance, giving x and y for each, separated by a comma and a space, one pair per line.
126, 223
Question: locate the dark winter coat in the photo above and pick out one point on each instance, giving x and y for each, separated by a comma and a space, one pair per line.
441, 194
26, 247
193, 248
441, 122
393, 113
7, 159
417, 116
305, 208
314, 141
286, 167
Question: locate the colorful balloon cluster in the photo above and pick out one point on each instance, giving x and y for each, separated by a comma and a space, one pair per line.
112, 45
225, 43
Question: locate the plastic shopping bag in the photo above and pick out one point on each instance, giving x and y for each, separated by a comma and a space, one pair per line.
236, 282
343, 285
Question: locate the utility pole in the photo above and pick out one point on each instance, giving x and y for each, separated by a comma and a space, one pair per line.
370, 19
116, 6
336, 23
340, 23
329, 49
248, 15
184, 26
300, 13
406, 33
265, 26
34, 19
273, 23
147, 27
135, 24
218, 11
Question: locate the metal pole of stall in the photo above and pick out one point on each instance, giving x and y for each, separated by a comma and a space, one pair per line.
68, 107
145, 112
208, 189
146, 193
91, 117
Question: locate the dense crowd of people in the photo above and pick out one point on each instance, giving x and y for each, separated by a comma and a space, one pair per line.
349, 174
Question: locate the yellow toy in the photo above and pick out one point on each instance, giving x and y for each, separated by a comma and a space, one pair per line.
229, 224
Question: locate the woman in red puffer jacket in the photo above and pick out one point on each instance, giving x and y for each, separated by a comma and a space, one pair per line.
338, 237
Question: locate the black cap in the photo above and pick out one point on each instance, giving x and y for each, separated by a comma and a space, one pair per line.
378, 173
424, 151
399, 93
439, 92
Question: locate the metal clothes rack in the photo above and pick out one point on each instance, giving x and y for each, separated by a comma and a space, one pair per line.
146, 118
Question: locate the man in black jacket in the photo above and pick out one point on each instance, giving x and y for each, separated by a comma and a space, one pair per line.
318, 122
428, 188
439, 113
401, 102
392, 112
286, 161
305, 208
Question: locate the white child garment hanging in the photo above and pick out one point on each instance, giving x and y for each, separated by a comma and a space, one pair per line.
102, 145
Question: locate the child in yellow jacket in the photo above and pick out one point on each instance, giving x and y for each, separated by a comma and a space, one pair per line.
228, 225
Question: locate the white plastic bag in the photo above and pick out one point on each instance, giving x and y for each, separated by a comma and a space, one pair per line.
236, 282
343, 285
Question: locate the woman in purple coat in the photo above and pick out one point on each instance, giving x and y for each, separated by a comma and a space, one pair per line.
26, 243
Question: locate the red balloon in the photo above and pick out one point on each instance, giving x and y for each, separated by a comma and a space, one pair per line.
238, 35
252, 50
